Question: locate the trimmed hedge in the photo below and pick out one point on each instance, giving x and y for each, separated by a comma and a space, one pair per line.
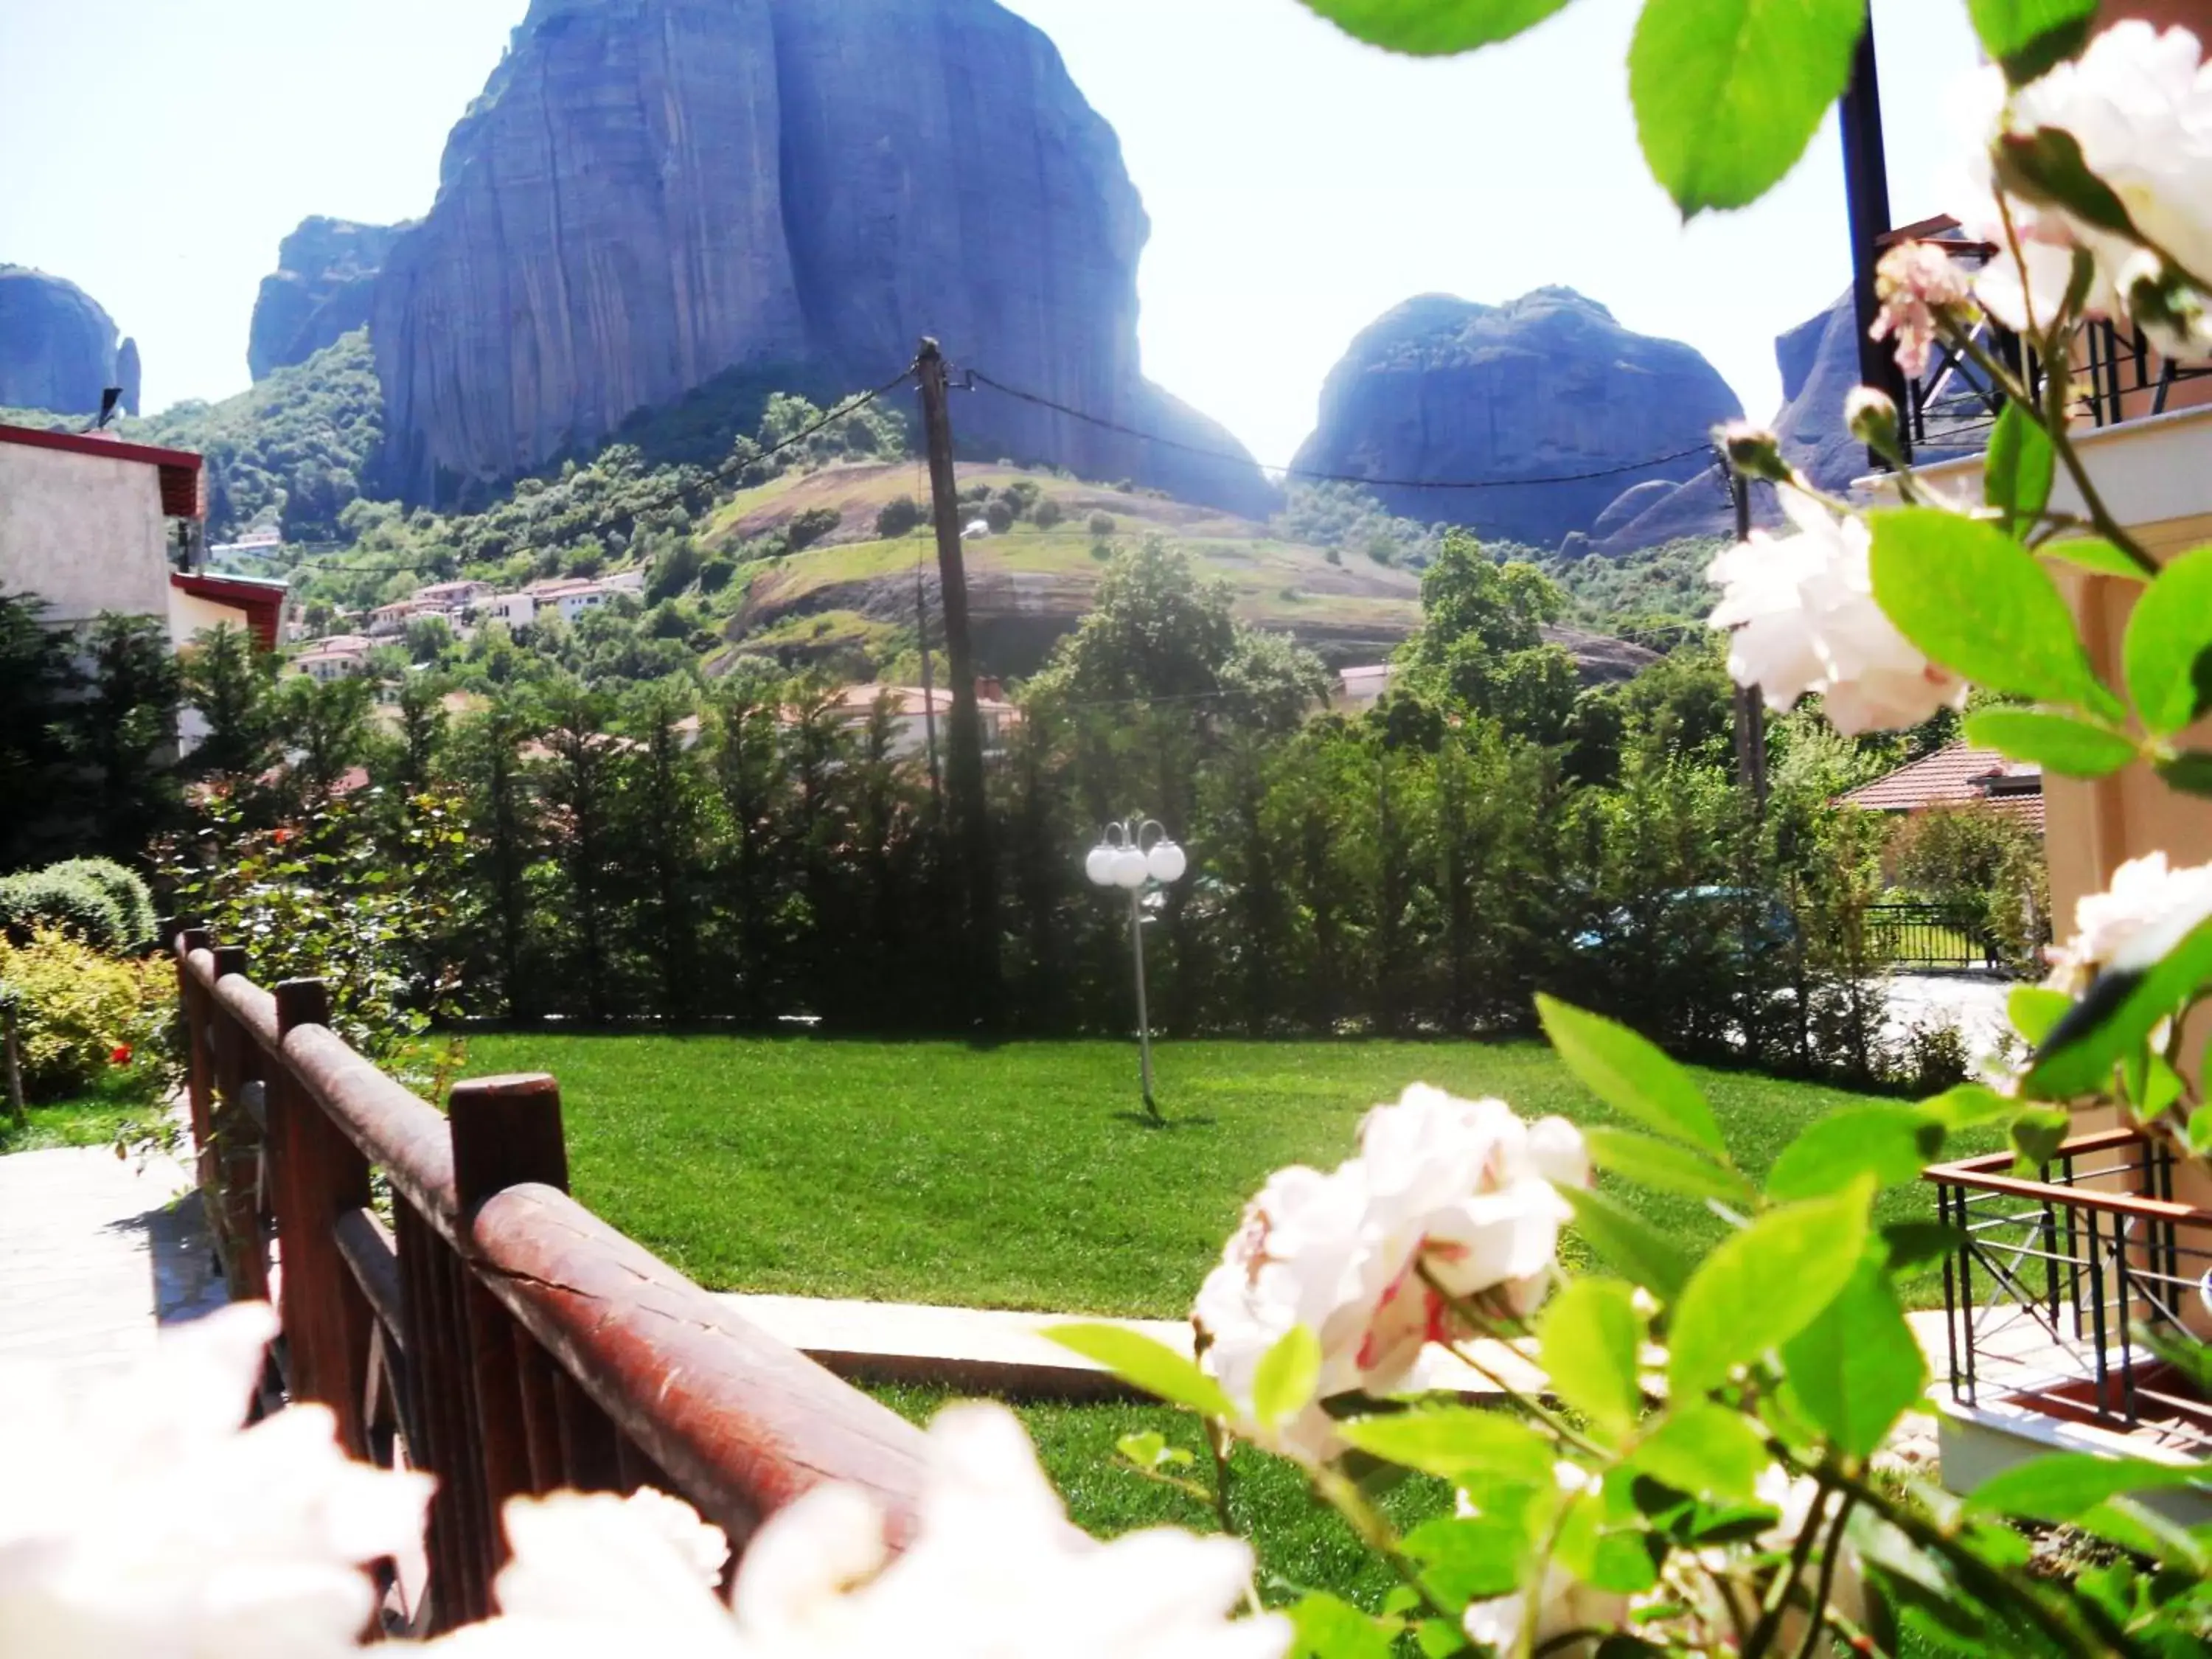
96, 900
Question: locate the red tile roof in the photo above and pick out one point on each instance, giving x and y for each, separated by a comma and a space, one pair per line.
1952, 776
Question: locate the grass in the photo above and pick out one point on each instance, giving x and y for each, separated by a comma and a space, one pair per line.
1022, 1176
95, 1118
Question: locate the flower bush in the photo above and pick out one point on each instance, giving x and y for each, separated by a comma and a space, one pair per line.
83, 1016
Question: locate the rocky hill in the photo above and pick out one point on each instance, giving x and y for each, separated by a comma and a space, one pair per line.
320, 292
651, 193
58, 346
1547, 385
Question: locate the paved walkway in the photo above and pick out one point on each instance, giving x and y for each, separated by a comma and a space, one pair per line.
96, 1255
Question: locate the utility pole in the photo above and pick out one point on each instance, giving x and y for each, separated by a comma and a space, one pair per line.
928, 688
1866, 194
971, 826
1750, 716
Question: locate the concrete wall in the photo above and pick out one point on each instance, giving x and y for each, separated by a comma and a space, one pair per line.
190, 616
83, 533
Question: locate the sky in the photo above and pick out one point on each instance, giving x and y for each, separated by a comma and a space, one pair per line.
1299, 184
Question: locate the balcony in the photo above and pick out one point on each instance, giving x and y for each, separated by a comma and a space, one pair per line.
2052, 1298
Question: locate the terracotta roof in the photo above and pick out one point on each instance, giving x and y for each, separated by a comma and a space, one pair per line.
1952, 776
261, 598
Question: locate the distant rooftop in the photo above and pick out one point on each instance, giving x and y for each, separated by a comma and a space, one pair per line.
1953, 776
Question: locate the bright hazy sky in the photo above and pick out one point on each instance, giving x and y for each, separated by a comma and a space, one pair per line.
1299, 185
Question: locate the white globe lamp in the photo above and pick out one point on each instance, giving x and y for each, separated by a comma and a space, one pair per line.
1098, 864
1165, 862
1130, 869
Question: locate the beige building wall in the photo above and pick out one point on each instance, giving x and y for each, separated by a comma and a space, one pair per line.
190, 616
83, 533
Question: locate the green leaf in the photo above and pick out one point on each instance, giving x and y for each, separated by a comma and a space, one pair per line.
1589, 1333
1629, 1243
2094, 553
1765, 1284
1978, 603
1663, 1166
2063, 1484
2167, 653
2035, 1136
2028, 36
1283, 1382
1145, 1449
1432, 28
1727, 92
1857, 1367
1703, 1450
2033, 1010
1910, 1243
1890, 1143
2017, 472
1152, 1366
2200, 1130
1327, 1628
2046, 168
2071, 747
1969, 1106
1631, 1075
2143, 1530
1471, 1558
2190, 772
2115, 1013
1463, 1444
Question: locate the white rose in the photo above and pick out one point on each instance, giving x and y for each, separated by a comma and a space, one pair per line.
2149, 909
137, 1517
1460, 1193
994, 1571
2139, 104
1802, 618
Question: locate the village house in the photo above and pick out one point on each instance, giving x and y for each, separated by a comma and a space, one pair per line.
1956, 775
913, 709
339, 657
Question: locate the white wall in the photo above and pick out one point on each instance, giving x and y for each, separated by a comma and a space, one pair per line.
83, 533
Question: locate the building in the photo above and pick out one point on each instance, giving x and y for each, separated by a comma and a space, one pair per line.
390, 619
85, 523
1956, 775
912, 710
2051, 1359
569, 597
1361, 687
339, 657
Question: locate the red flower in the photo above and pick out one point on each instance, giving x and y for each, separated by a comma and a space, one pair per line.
119, 1054
281, 836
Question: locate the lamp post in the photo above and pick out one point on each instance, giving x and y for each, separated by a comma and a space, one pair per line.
1123, 859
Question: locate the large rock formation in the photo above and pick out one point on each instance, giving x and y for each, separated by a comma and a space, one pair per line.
1820, 364
57, 347
324, 278
1547, 386
652, 192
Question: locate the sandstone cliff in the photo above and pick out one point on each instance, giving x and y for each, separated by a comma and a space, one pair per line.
651, 192
1546, 386
58, 346
321, 289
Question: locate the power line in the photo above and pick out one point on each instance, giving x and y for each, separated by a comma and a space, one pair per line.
1318, 477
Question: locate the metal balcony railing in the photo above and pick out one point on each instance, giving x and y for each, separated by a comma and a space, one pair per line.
2058, 1285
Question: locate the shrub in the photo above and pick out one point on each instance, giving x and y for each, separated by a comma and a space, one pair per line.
79, 1013
898, 516
810, 526
1047, 514
975, 494
714, 574
66, 901
999, 516
134, 901
1102, 524
1021, 495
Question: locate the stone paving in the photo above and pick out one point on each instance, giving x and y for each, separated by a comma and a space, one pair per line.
96, 1255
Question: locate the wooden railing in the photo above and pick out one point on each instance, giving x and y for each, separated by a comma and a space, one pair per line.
494, 1333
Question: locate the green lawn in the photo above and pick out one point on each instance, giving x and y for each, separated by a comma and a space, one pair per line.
93, 1119
1019, 1176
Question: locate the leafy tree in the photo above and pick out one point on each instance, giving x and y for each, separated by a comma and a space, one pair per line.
898, 516
36, 678
230, 680
324, 725
1481, 644
124, 732
659, 829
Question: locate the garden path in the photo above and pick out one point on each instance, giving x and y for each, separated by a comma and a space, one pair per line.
97, 1254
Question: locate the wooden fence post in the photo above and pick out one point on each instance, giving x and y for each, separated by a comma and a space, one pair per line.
237, 1159
323, 1176
198, 1063
506, 1132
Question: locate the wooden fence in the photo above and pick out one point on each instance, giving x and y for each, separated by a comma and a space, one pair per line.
496, 1333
